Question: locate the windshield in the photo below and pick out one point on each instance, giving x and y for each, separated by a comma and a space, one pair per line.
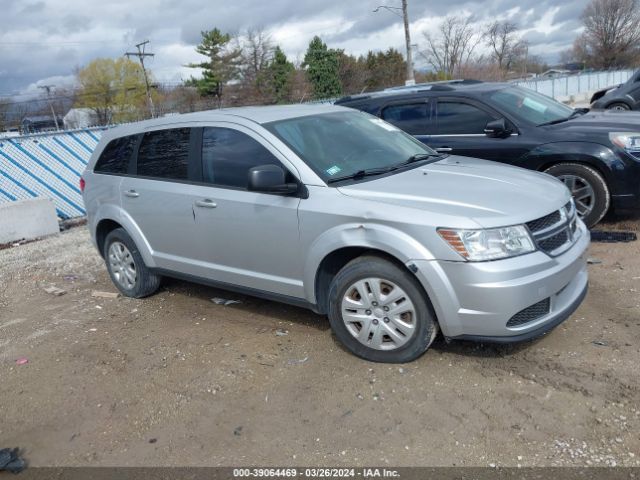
530, 106
340, 144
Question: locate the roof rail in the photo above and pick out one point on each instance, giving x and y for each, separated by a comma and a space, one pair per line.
443, 85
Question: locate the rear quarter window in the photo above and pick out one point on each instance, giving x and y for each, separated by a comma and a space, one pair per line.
115, 157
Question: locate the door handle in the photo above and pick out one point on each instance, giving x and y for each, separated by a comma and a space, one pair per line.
132, 194
206, 203
443, 149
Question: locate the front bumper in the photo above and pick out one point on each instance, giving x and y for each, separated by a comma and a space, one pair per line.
475, 300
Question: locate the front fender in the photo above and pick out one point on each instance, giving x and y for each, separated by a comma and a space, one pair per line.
599, 156
366, 235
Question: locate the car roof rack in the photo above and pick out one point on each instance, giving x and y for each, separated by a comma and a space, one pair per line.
443, 85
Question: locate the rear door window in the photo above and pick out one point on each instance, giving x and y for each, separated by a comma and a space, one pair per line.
412, 118
116, 156
165, 154
459, 118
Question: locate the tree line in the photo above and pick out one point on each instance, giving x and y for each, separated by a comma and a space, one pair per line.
250, 68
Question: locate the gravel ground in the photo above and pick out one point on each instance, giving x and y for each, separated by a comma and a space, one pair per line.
177, 380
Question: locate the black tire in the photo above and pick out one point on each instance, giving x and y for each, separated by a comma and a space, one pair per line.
146, 282
618, 106
590, 176
426, 327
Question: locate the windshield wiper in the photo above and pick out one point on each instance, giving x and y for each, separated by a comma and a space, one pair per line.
576, 113
362, 174
382, 170
420, 156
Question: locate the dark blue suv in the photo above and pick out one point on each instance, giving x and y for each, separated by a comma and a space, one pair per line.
596, 154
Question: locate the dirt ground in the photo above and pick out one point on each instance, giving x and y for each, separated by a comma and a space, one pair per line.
177, 380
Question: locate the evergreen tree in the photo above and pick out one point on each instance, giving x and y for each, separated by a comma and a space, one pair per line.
279, 76
221, 66
323, 69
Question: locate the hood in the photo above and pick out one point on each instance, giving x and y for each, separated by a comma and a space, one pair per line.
489, 193
601, 122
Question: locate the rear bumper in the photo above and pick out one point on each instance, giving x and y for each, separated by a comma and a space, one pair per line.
476, 300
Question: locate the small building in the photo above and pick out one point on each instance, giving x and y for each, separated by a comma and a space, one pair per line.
80, 118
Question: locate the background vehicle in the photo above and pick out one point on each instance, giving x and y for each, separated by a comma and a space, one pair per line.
597, 155
335, 210
624, 97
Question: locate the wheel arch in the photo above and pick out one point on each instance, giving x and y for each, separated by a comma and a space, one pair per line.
338, 246
599, 157
111, 218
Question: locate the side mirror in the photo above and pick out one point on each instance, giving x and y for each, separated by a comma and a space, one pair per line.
270, 179
497, 129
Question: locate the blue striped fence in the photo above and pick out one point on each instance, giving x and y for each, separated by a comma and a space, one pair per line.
47, 165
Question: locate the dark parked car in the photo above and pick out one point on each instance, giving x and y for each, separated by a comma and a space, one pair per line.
596, 154
625, 96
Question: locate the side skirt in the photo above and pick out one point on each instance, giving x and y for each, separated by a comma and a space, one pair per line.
276, 297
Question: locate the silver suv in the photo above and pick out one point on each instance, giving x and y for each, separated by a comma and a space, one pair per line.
336, 210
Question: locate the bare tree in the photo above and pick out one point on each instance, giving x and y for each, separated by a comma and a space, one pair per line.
452, 46
5, 105
506, 47
611, 36
257, 50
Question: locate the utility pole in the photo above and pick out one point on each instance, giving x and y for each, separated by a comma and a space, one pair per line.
407, 38
141, 54
410, 80
53, 112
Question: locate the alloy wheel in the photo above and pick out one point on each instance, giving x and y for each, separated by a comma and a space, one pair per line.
582, 191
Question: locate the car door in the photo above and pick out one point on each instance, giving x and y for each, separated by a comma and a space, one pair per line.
634, 92
460, 130
414, 117
245, 238
156, 196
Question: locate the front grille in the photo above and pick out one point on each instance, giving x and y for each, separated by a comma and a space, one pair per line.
529, 314
556, 232
544, 222
554, 242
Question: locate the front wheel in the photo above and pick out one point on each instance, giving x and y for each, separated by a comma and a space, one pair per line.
589, 190
619, 106
380, 312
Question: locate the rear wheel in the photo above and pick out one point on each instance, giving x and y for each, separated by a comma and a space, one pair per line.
380, 312
126, 267
589, 190
619, 106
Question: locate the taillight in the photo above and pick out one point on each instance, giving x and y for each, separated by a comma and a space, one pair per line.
82, 184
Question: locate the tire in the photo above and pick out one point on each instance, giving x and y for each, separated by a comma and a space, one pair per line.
590, 211
618, 106
420, 327
143, 282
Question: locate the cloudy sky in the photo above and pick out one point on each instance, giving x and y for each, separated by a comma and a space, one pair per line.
43, 42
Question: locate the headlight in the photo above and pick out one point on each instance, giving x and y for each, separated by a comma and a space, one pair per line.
630, 141
492, 244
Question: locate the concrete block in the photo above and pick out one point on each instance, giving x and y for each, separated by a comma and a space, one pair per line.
28, 219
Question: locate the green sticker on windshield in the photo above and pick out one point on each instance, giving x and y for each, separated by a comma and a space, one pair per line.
333, 170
